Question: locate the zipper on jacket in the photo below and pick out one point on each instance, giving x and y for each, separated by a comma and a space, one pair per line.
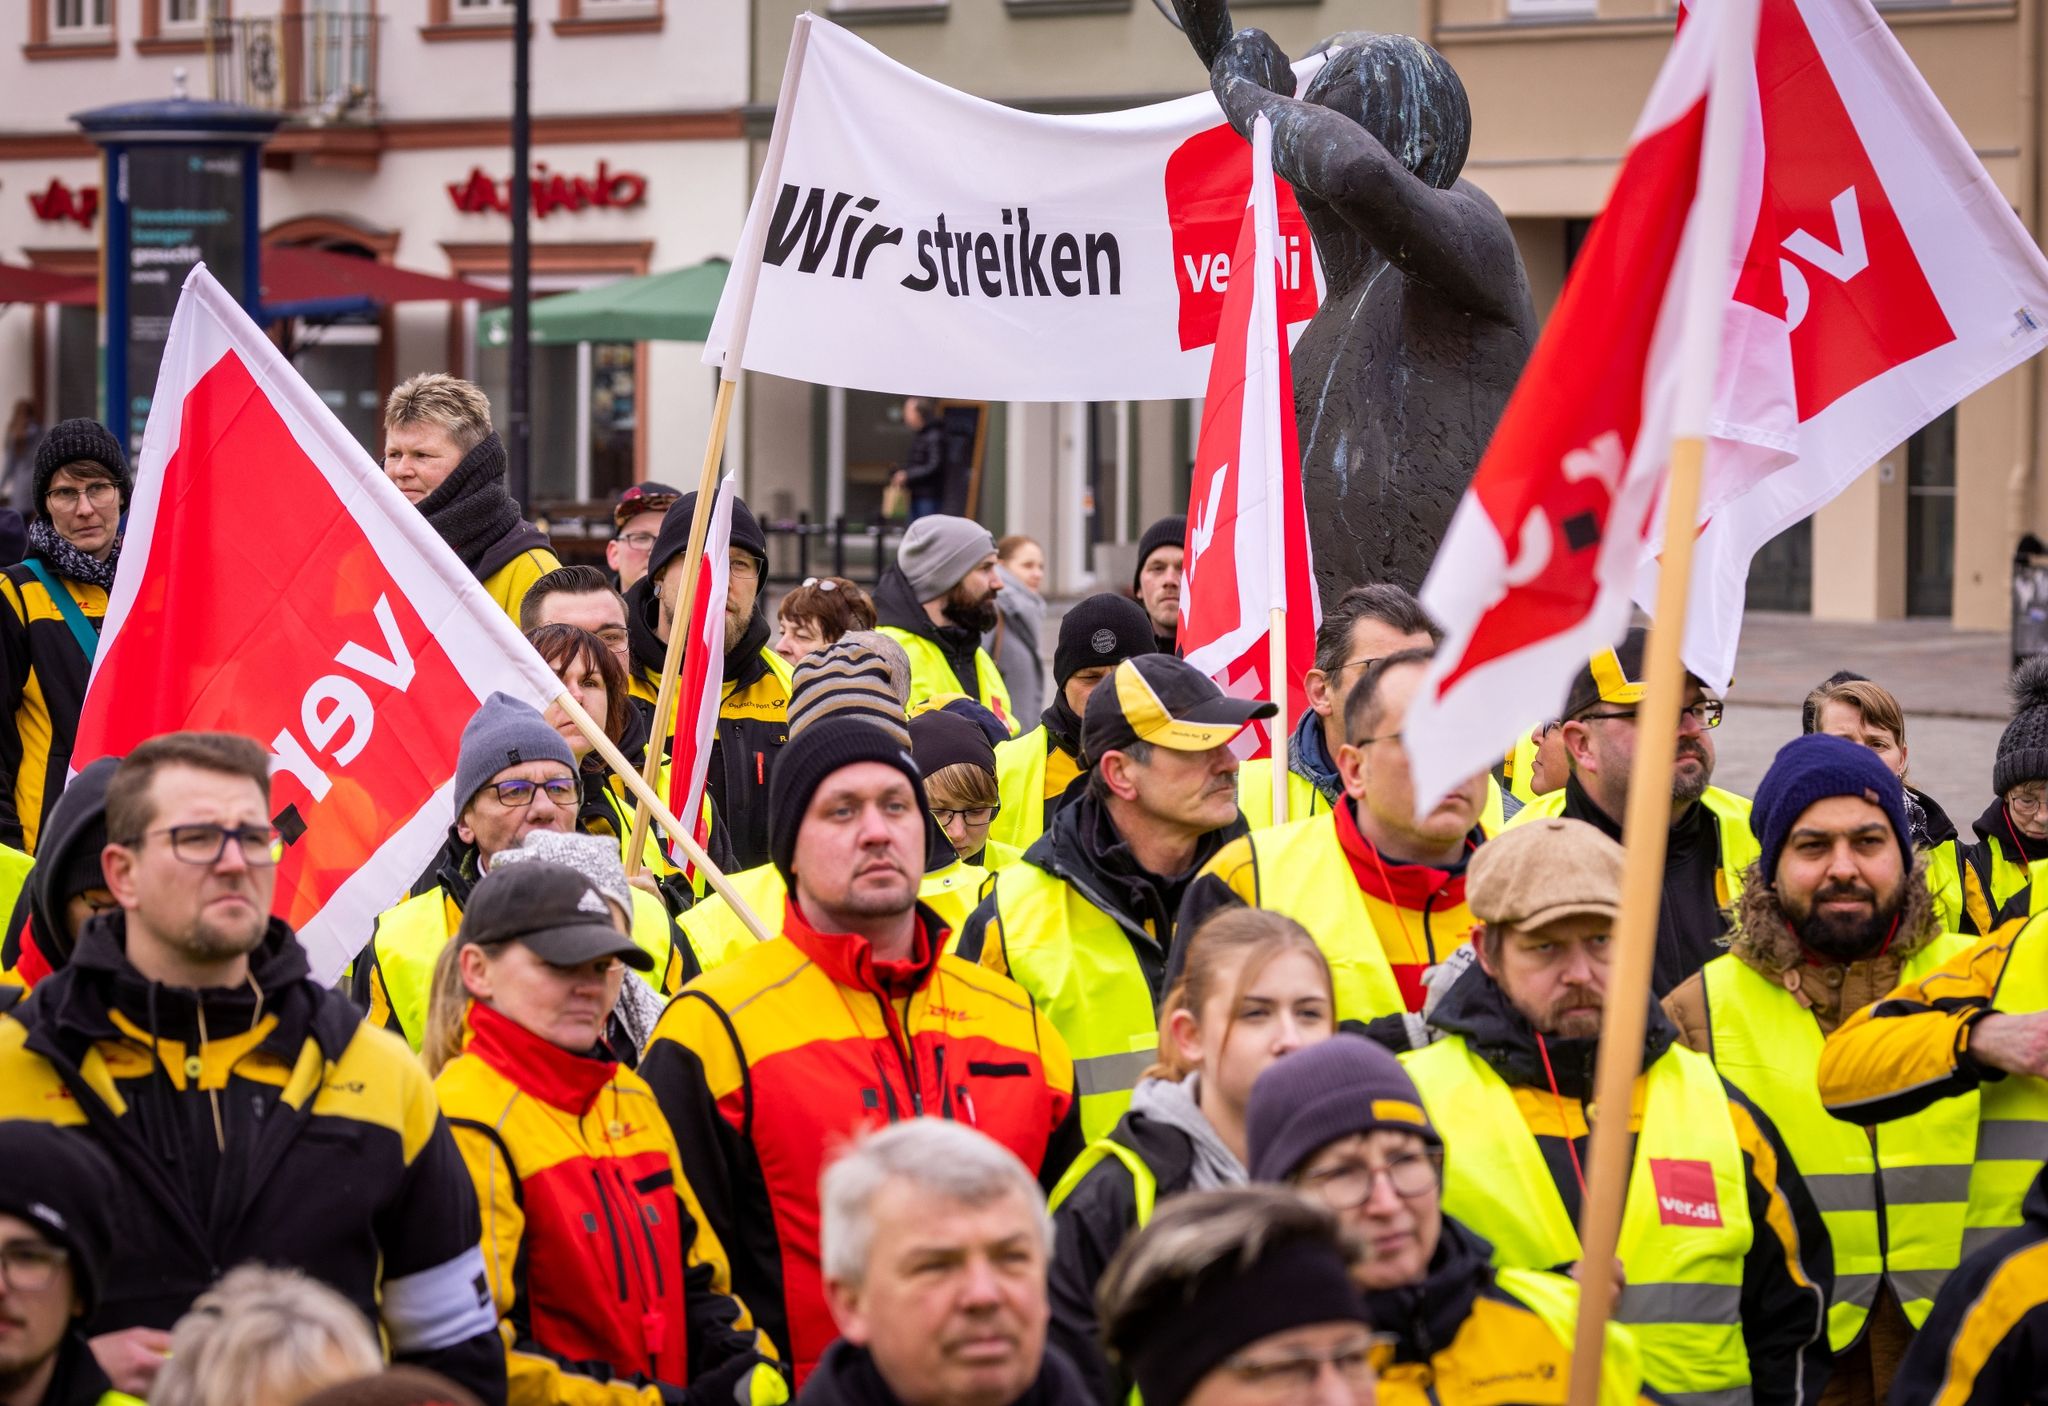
939, 1073
899, 1040
653, 1316
611, 1223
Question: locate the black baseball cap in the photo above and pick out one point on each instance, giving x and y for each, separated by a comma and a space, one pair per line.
562, 917
647, 497
1166, 702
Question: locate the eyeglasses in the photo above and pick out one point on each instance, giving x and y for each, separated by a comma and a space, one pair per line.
638, 541
2027, 803
518, 795
1351, 1183
973, 815
205, 844
1706, 712
96, 493
744, 567
1383, 737
30, 1266
1292, 1376
613, 635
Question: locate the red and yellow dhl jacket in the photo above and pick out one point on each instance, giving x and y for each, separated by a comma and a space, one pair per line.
607, 1282
767, 1064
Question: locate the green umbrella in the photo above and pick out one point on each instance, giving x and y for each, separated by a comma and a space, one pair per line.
662, 307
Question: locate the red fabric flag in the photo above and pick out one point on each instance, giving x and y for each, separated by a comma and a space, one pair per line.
274, 583
700, 684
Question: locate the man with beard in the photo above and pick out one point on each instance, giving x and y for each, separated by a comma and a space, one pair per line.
250, 1111
1156, 583
1834, 914
937, 601
1710, 844
753, 702
1723, 1257
1085, 920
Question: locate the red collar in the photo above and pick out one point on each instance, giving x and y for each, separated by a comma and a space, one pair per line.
546, 1071
850, 961
1395, 881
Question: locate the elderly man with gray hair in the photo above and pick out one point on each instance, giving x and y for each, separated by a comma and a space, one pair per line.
935, 1242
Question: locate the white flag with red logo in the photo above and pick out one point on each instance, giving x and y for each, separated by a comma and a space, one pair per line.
274, 583
1247, 550
1886, 278
701, 680
1534, 573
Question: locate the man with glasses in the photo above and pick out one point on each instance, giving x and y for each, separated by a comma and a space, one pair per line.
249, 1111
1381, 891
636, 520
753, 710
514, 775
51, 606
1725, 1265
1711, 845
579, 596
1341, 1122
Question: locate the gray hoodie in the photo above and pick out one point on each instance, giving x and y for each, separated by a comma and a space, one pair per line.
1174, 1103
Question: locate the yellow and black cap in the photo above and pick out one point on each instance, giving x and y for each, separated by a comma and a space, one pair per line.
1613, 678
1164, 701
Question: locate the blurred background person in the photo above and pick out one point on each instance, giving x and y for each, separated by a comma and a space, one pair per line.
818, 614
1020, 607
636, 518
264, 1337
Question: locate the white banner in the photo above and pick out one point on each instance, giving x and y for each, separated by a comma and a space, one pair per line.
923, 241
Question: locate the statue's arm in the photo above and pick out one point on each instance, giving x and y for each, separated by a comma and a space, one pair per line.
1207, 26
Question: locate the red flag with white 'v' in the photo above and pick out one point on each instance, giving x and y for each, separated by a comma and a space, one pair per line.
702, 678
1247, 550
274, 583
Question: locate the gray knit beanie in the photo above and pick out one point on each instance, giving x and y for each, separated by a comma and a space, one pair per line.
2023, 748
504, 733
938, 551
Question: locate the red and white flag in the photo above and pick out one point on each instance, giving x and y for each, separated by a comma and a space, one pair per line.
274, 583
1534, 573
700, 683
1247, 551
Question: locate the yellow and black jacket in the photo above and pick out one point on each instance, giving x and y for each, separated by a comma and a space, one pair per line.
263, 1122
945, 660
1990, 882
763, 1065
607, 1283
1033, 774
1986, 1342
43, 674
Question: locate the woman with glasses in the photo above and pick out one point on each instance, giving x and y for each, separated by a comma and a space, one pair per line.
1255, 988
2011, 852
959, 767
818, 613
1344, 1124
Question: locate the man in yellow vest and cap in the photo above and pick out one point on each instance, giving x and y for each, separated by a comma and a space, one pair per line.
1833, 915
1724, 1258
937, 601
1381, 891
1710, 844
1085, 920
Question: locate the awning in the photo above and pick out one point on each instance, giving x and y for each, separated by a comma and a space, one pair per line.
662, 307
302, 282
30, 285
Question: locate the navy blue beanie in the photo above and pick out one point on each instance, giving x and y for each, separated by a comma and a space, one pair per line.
1813, 768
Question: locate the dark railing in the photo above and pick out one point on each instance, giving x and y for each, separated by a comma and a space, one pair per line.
318, 68
858, 551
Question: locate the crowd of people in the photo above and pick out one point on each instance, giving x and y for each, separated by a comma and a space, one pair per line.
1063, 1075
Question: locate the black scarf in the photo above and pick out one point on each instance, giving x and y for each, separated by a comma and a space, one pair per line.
472, 510
68, 561
1063, 725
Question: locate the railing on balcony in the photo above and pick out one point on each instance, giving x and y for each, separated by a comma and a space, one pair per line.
318, 68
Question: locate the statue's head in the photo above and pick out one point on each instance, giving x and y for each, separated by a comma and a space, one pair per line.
1404, 93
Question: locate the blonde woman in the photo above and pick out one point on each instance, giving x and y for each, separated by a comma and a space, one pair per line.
264, 1337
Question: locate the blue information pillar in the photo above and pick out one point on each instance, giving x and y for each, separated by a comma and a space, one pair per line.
180, 189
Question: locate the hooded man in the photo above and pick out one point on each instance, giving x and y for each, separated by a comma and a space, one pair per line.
1157, 581
937, 601
51, 606
1834, 914
753, 700
66, 888
442, 454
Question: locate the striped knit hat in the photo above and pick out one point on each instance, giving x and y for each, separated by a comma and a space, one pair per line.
853, 678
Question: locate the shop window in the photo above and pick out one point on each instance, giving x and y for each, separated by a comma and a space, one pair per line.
339, 359
585, 411
74, 364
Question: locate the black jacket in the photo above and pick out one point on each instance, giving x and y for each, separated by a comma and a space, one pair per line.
311, 1140
924, 468
43, 674
1691, 928
1099, 1214
1783, 1320
78, 1380
1986, 1339
41, 912
847, 1376
897, 605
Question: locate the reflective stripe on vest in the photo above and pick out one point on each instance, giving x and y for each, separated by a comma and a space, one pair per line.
1302, 872
1555, 1299
1144, 1185
1020, 784
932, 676
1684, 1229
410, 938
1768, 1046
2012, 1135
1077, 963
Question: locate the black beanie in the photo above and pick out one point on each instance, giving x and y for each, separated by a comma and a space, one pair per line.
939, 739
2023, 748
804, 763
1303, 1103
674, 537
80, 441
59, 1181
1167, 532
1104, 629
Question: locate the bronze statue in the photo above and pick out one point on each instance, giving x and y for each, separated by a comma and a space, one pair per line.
1403, 373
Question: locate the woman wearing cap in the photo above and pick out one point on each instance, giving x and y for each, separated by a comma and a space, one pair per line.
818, 614
958, 764
1342, 1123
1255, 987
609, 1285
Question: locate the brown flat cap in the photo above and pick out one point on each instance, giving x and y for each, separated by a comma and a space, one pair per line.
1533, 874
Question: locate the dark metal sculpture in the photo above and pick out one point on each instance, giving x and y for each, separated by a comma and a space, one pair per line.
1426, 323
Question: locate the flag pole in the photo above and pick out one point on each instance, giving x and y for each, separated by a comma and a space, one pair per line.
1276, 750
1266, 318
650, 803
747, 270
1648, 824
